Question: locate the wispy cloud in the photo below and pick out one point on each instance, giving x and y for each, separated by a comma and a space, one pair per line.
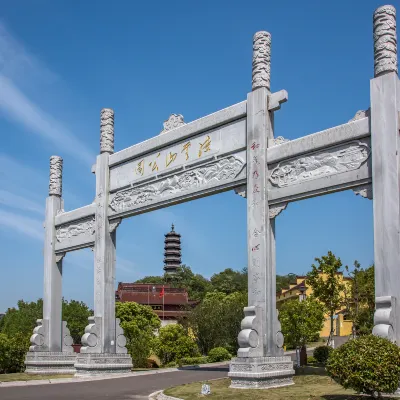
14, 201
19, 68
27, 226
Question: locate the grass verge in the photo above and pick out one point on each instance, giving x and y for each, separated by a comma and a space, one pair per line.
310, 383
27, 377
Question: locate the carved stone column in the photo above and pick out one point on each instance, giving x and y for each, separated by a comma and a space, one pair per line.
260, 362
50, 351
101, 351
385, 125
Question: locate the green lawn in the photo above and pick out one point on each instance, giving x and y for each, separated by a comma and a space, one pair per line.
310, 383
26, 377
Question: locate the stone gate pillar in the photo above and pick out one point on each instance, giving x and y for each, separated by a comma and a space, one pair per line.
260, 362
103, 343
385, 114
51, 351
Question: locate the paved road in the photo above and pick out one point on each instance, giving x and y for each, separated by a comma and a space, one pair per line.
137, 387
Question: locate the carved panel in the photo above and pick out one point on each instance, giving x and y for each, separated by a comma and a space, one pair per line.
218, 171
335, 160
55, 183
174, 121
385, 41
79, 228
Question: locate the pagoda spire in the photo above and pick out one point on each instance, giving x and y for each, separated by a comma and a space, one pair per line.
172, 251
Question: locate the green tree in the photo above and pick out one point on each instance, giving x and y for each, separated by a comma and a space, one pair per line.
301, 321
326, 284
76, 313
360, 298
139, 323
174, 343
156, 280
230, 281
216, 320
283, 281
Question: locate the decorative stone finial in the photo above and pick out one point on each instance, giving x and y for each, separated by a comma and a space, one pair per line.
174, 121
385, 40
261, 60
107, 130
55, 184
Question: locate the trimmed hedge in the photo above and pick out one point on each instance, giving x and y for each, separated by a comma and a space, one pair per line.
368, 364
321, 353
218, 354
12, 353
192, 361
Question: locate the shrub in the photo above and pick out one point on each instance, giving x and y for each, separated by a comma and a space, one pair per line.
12, 353
369, 364
192, 361
218, 354
311, 360
171, 364
321, 353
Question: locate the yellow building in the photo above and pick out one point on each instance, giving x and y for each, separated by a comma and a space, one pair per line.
300, 290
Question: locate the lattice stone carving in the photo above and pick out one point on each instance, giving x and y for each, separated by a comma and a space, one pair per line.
249, 339
38, 339
275, 210
79, 228
174, 121
338, 159
66, 339
261, 60
120, 338
220, 170
55, 182
385, 40
107, 130
91, 339
384, 317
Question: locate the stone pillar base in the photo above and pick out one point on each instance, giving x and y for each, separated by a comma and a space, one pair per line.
261, 372
92, 364
49, 363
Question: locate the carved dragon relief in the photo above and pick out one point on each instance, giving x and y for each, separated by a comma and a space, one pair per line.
68, 231
220, 170
336, 160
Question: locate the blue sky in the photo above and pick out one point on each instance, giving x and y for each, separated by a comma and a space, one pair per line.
61, 62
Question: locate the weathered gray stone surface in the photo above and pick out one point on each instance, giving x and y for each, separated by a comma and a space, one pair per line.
107, 131
50, 363
102, 363
261, 372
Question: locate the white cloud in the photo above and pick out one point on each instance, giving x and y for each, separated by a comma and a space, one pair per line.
27, 226
14, 201
17, 107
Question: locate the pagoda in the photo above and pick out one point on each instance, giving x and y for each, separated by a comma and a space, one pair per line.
172, 251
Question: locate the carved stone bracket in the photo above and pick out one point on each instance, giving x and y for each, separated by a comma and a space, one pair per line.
59, 257
120, 338
360, 114
364, 191
113, 224
91, 339
384, 317
277, 141
276, 99
275, 210
249, 337
241, 191
38, 339
66, 339
174, 121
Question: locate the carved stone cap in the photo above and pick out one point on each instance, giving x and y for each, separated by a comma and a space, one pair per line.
55, 182
261, 60
385, 40
107, 130
174, 121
